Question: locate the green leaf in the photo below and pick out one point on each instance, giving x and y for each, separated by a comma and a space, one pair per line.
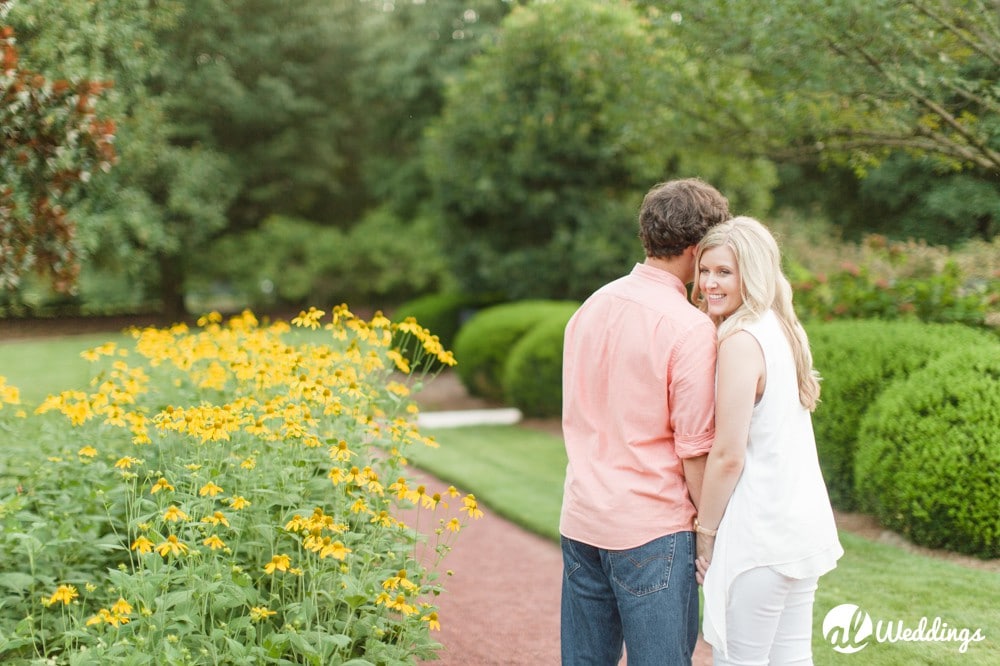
16, 581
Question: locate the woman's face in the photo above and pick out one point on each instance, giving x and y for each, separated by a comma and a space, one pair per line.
719, 281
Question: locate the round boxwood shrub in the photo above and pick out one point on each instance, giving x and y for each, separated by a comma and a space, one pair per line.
532, 376
442, 315
483, 344
858, 359
928, 462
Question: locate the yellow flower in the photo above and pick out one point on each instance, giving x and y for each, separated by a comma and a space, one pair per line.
126, 462
121, 607
217, 518
399, 389
400, 488
471, 506
174, 515
341, 452
99, 618
249, 463
63, 593
278, 563
309, 319
261, 613
399, 360
209, 489
171, 546
432, 621
214, 542
399, 603
106, 616
453, 525
143, 545
239, 502
336, 550
9, 394
210, 318
383, 518
399, 580
87, 452
107, 349
162, 484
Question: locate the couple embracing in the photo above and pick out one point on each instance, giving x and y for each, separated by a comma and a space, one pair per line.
691, 452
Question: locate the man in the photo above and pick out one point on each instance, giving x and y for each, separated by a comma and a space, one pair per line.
638, 421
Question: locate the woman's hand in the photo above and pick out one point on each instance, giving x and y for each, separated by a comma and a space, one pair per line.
705, 544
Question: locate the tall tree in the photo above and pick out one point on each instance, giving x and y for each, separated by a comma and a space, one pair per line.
407, 53
857, 80
52, 142
549, 139
229, 111
164, 197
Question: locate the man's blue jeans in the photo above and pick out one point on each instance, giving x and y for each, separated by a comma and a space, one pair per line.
645, 597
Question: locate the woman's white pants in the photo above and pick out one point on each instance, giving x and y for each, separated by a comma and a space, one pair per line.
768, 620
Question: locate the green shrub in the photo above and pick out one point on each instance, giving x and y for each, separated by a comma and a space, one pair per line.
380, 260
893, 280
532, 377
485, 341
928, 462
858, 359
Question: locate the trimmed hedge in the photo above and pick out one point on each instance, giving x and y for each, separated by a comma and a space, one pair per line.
928, 464
484, 343
532, 377
858, 359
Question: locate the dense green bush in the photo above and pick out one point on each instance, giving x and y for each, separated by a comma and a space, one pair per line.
484, 343
532, 376
928, 462
381, 260
858, 359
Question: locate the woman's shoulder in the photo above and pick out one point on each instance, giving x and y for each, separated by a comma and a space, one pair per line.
739, 343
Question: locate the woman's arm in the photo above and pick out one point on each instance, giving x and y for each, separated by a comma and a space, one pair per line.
740, 382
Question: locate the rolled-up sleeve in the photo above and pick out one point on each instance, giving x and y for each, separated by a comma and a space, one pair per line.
691, 385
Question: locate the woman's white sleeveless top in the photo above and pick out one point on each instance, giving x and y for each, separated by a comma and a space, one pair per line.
779, 515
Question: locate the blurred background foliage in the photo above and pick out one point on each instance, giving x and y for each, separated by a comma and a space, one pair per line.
275, 155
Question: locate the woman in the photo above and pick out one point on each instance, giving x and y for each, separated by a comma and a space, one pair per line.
765, 527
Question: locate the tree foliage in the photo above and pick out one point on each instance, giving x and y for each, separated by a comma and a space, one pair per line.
404, 59
860, 79
223, 121
52, 142
550, 138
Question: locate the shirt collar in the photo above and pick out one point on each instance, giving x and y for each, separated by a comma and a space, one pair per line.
647, 272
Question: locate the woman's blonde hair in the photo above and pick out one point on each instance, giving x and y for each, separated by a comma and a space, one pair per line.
763, 287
